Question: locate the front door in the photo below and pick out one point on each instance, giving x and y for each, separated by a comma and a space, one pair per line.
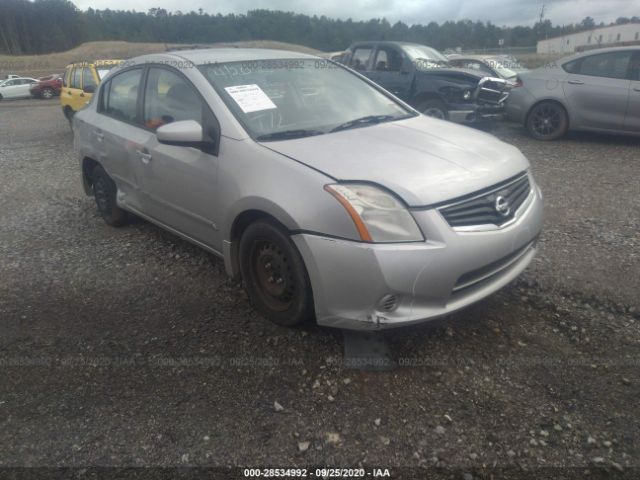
387, 71
178, 183
15, 88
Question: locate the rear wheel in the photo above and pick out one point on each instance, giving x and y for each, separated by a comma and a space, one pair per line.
434, 108
68, 113
274, 274
547, 121
47, 93
104, 191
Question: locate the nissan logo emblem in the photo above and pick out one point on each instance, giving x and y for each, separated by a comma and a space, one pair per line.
502, 206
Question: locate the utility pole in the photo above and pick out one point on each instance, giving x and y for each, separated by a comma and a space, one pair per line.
540, 23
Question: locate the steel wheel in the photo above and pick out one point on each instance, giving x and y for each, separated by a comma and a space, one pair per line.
272, 269
274, 274
104, 192
547, 121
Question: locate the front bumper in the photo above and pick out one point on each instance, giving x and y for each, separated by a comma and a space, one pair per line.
475, 113
363, 286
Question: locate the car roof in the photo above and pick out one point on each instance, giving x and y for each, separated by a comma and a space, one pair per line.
95, 63
222, 55
596, 51
388, 42
17, 78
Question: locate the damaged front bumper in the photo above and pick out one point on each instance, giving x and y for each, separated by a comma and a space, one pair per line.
364, 286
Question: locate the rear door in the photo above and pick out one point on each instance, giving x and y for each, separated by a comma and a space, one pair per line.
387, 71
24, 87
178, 183
597, 90
118, 133
71, 92
632, 120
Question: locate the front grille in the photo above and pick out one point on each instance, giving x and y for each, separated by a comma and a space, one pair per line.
494, 206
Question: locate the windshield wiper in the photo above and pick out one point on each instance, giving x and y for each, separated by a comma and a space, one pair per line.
362, 121
288, 134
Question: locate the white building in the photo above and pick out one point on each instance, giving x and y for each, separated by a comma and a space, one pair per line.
603, 36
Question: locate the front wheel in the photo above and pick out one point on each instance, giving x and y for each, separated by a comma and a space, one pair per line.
274, 274
547, 121
434, 108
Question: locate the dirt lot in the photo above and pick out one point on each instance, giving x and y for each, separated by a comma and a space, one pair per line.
130, 347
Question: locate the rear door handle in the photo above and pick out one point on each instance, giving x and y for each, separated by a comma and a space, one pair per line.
144, 155
99, 135
576, 82
637, 89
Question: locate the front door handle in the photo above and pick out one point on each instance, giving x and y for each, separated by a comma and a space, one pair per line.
575, 82
99, 135
637, 89
144, 155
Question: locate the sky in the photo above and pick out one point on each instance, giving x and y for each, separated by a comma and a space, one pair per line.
499, 12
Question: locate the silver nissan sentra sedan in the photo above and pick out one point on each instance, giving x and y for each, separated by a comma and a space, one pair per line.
329, 197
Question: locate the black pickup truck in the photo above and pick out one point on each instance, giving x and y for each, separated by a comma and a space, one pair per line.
423, 77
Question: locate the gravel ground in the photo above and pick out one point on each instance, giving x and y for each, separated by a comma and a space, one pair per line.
129, 347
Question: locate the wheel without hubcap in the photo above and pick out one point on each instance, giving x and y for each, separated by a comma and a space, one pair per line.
104, 191
547, 121
274, 274
47, 93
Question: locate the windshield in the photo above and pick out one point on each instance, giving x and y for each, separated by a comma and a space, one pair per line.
425, 57
280, 99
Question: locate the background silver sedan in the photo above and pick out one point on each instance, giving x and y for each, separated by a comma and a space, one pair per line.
598, 91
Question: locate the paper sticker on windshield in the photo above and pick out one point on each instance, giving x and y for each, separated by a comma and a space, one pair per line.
250, 98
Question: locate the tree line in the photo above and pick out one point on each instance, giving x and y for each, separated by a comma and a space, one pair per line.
43, 26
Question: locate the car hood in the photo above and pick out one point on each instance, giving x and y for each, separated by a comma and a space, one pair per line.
471, 74
423, 160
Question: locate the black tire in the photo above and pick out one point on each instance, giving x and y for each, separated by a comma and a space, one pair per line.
68, 113
274, 274
434, 108
104, 191
547, 121
47, 93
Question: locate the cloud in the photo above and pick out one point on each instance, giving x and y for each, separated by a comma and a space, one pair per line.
499, 12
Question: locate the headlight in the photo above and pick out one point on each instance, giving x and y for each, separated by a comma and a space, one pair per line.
378, 215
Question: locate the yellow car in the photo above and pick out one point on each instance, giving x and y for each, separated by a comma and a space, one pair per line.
80, 81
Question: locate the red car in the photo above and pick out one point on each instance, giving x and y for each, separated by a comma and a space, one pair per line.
47, 87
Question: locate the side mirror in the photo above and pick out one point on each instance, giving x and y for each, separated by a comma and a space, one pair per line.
187, 133
89, 89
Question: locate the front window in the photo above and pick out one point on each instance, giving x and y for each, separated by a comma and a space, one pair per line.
279, 99
425, 57
169, 98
